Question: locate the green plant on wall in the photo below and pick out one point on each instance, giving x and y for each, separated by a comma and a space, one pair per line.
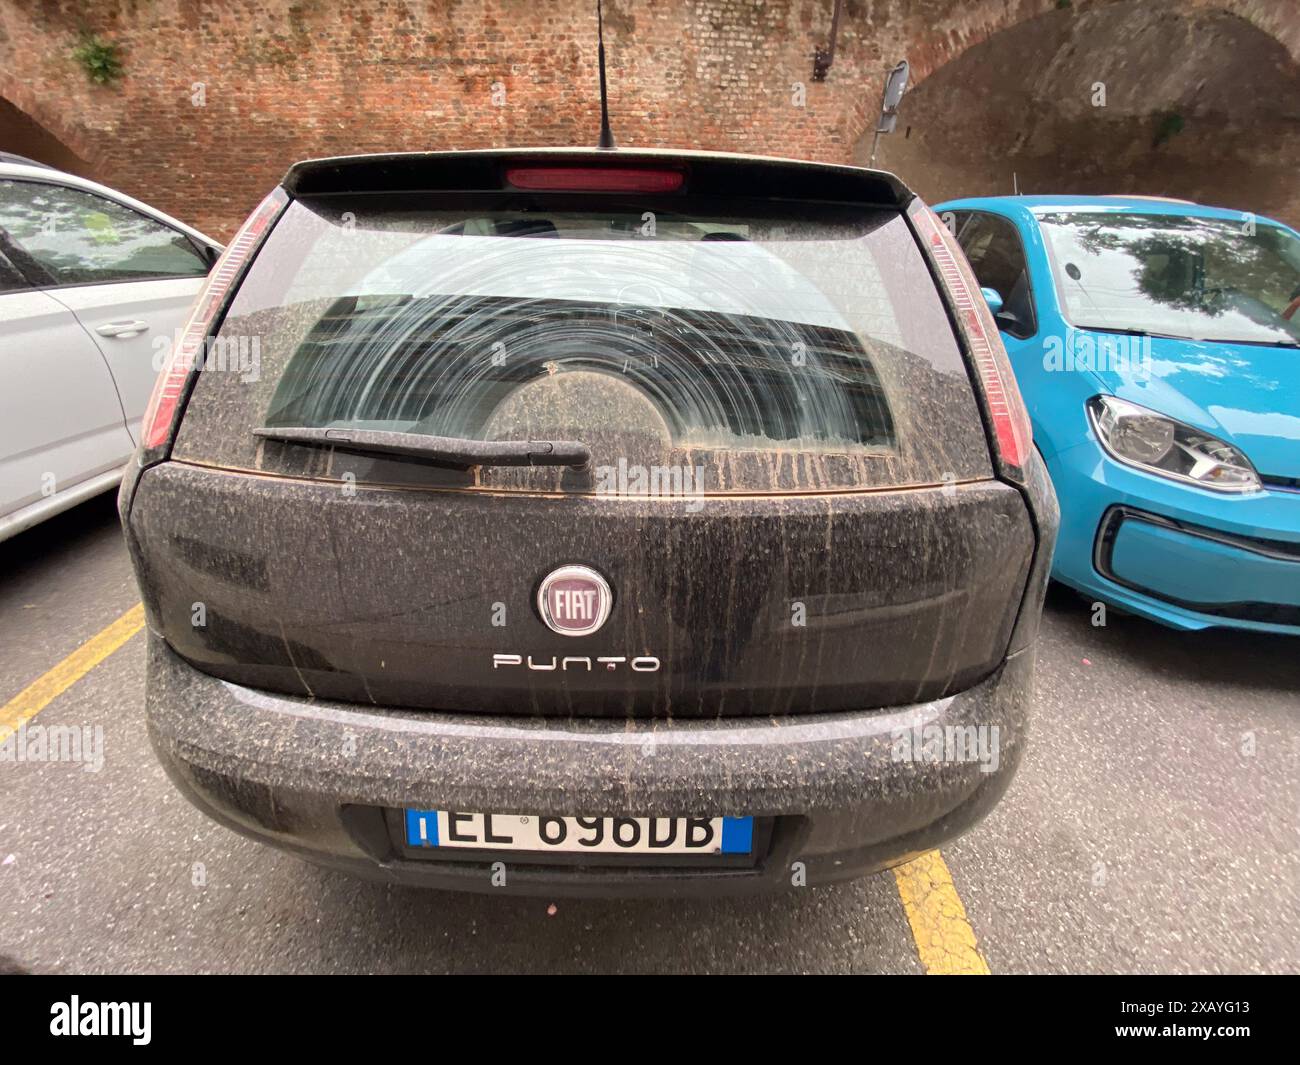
101, 59
1170, 125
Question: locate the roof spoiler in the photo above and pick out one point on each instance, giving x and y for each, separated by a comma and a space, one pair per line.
714, 174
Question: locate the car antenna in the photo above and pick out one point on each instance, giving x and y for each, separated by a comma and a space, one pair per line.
606, 136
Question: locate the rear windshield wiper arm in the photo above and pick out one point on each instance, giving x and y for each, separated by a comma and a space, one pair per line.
457, 452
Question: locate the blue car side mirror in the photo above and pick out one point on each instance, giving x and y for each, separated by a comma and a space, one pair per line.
993, 299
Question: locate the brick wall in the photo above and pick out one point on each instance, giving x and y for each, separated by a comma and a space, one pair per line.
218, 98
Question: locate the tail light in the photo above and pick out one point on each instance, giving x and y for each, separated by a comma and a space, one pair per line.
1009, 421
169, 389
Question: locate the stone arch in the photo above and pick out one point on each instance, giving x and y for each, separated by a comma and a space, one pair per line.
1199, 102
31, 127
975, 22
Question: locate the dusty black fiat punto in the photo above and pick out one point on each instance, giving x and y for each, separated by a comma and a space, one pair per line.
590, 522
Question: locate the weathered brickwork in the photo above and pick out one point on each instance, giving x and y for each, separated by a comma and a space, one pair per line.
217, 98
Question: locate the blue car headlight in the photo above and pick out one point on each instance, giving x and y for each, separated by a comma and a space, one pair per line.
1150, 441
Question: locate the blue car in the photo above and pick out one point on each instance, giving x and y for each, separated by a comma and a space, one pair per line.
1157, 345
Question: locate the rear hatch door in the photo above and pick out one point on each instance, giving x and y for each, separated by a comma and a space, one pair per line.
789, 491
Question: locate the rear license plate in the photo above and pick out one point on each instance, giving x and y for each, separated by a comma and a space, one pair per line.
595, 835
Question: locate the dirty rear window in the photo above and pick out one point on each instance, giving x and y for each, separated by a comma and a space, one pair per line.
752, 352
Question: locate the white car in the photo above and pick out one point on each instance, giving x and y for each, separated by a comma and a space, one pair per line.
93, 287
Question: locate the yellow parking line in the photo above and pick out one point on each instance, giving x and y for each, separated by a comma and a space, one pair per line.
944, 938
39, 693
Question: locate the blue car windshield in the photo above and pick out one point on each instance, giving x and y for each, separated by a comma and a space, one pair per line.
1210, 279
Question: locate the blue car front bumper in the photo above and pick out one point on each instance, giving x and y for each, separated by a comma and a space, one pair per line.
1180, 555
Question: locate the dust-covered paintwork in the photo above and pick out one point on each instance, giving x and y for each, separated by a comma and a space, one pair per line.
336, 637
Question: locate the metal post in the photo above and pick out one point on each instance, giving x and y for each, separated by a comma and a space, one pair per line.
875, 137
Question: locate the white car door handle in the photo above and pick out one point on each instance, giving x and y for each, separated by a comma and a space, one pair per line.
121, 329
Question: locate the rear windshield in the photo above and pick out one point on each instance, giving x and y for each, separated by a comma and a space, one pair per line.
752, 353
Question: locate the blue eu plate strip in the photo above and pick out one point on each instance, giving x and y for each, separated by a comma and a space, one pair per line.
422, 828
737, 835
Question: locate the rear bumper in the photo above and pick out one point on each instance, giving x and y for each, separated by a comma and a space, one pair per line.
847, 793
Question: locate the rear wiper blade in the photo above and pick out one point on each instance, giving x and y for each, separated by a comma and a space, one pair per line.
453, 451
